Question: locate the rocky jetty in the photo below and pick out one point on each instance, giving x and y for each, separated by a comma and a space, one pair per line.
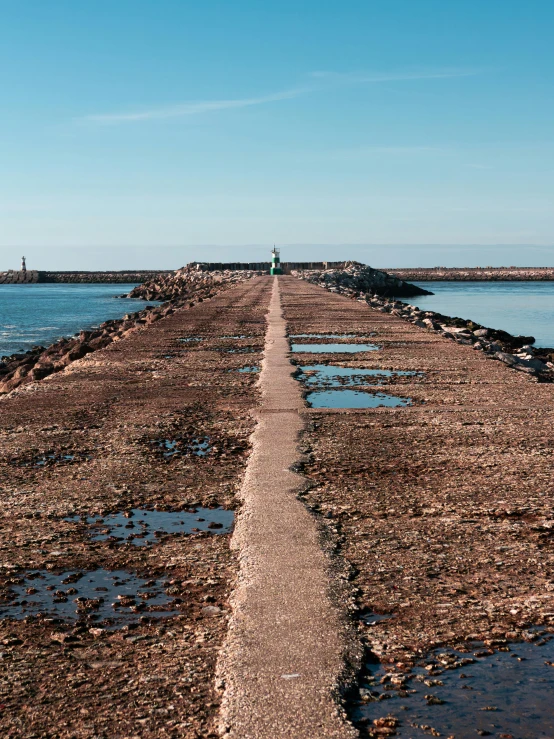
183, 288
13, 277
188, 281
515, 351
355, 276
480, 274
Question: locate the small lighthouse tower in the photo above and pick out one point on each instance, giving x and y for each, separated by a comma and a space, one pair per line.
23, 264
276, 262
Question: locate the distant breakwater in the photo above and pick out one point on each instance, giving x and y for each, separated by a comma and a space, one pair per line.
15, 277
472, 274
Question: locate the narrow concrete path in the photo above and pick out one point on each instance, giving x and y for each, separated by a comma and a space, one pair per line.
287, 639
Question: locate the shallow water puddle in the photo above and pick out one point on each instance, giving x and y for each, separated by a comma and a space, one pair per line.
110, 598
327, 375
251, 368
50, 459
333, 348
329, 336
507, 694
242, 350
190, 338
142, 527
198, 446
353, 399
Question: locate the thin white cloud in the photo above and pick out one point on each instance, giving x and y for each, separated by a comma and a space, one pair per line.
322, 81
184, 110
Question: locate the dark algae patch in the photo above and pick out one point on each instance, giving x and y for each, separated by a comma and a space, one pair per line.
479, 692
141, 526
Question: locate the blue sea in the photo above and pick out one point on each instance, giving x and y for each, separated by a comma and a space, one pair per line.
525, 308
39, 314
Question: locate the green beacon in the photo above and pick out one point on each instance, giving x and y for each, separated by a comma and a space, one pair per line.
276, 262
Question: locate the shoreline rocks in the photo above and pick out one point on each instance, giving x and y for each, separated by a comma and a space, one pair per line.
470, 274
516, 352
360, 277
178, 290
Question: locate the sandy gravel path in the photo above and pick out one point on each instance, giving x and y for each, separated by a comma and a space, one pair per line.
284, 655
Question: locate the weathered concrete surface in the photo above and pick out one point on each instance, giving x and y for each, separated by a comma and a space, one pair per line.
107, 410
446, 507
287, 641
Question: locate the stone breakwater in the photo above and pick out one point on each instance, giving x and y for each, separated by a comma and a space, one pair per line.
40, 362
65, 671
355, 276
182, 283
14, 277
515, 351
471, 274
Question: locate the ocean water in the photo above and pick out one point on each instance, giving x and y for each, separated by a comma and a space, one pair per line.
525, 308
41, 314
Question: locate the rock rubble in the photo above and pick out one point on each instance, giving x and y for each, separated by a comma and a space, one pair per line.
359, 277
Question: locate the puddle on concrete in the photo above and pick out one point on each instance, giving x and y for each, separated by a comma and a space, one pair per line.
170, 448
190, 338
333, 348
327, 375
50, 459
110, 598
141, 526
354, 399
507, 694
242, 350
370, 619
251, 368
330, 336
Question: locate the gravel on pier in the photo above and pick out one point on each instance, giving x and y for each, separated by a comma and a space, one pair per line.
91, 440
445, 508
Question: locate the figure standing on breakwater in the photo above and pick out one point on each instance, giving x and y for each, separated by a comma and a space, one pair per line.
23, 264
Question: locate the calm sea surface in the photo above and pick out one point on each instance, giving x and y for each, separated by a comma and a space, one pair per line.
525, 308
41, 314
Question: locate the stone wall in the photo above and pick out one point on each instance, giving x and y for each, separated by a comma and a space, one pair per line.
13, 277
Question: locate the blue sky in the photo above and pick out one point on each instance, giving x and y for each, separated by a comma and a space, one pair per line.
406, 132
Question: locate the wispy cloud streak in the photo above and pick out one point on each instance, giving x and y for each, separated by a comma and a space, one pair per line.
185, 110
322, 80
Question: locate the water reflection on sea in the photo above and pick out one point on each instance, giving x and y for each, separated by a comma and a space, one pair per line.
43, 313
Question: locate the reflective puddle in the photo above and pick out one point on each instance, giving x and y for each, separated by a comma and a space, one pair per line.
170, 448
333, 348
242, 350
353, 399
327, 375
110, 598
142, 527
507, 694
190, 339
252, 368
329, 336
50, 459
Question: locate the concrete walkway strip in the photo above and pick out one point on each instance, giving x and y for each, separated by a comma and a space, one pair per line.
285, 653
